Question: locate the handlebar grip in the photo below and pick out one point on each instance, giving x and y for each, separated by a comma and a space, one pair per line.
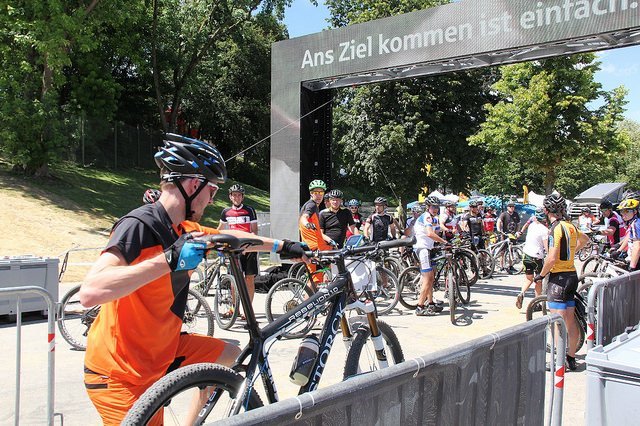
403, 242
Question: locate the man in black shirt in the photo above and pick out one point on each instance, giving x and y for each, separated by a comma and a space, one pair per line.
336, 220
473, 223
509, 221
380, 222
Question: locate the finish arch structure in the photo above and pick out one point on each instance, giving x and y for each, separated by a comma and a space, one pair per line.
452, 37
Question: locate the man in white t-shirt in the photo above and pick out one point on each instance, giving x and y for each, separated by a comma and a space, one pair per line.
426, 229
535, 248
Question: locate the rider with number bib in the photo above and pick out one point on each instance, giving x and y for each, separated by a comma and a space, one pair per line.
564, 241
141, 280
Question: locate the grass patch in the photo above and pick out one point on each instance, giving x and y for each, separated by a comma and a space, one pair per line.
113, 193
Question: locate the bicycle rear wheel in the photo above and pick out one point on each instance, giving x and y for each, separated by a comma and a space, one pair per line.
515, 256
391, 263
284, 296
538, 308
75, 320
409, 281
197, 318
592, 265
362, 358
295, 269
226, 303
174, 395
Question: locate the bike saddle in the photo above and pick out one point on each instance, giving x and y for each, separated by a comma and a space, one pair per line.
222, 241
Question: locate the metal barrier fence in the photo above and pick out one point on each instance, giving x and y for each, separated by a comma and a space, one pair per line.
51, 315
498, 379
612, 305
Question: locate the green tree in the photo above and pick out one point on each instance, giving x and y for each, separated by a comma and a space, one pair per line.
627, 164
38, 41
545, 121
184, 34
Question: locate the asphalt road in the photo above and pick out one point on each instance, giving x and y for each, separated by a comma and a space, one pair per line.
491, 309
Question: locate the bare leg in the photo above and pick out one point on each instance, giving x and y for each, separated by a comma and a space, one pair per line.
426, 289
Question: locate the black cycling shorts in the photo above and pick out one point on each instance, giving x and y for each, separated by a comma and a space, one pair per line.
532, 265
561, 290
249, 263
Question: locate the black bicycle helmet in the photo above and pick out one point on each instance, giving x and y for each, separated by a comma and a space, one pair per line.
353, 203
432, 201
417, 209
335, 193
555, 203
236, 187
185, 157
473, 204
151, 196
586, 210
380, 200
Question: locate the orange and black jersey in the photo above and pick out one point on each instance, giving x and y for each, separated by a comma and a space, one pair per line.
135, 337
564, 237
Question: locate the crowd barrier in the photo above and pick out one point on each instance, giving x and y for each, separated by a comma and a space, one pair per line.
498, 379
612, 305
21, 292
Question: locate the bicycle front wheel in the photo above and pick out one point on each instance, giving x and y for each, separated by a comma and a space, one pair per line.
450, 286
362, 357
468, 262
387, 294
175, 395
197, 318
463, 287
486, 264
284, 296
410, 285
75, 320
225, 307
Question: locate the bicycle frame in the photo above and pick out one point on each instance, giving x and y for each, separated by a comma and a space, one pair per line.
339, 293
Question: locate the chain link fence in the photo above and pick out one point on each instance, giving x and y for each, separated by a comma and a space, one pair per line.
114, 145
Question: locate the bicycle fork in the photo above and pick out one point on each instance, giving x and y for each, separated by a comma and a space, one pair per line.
369, 309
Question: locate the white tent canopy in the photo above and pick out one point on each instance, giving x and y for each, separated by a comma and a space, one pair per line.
451, 197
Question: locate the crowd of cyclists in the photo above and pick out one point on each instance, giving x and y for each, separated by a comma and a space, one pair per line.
141, 278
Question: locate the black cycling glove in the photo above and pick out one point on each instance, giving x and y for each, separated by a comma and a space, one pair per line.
186, 253
538, 278
292, 250
311, 226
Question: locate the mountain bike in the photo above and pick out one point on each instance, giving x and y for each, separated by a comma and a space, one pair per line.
604, 266
74, 320
597, 243
448, 274
212, 280
371, 345
510, 254
288, 293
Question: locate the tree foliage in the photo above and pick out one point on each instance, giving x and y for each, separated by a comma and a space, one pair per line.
132, 60
545, 122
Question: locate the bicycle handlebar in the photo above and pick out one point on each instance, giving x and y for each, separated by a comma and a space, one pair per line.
349, 251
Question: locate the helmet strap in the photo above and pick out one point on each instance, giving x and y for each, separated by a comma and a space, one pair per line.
188, 213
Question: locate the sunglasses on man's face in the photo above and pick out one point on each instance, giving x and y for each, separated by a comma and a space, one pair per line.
213, 188
317, 192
